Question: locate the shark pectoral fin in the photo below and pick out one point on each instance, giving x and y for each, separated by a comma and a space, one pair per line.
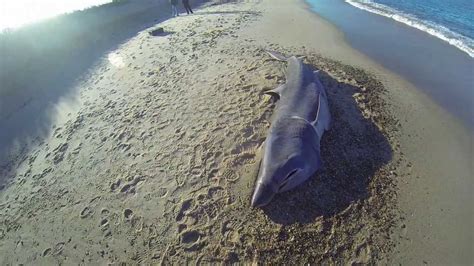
277, 92
259, 152
319, 129
323, 118
277, 55
322, 124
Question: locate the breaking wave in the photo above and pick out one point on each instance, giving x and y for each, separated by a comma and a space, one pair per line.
463, 43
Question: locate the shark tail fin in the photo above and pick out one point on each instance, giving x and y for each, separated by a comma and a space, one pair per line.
277, 55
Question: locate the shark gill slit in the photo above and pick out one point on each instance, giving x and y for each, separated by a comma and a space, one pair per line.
287, 178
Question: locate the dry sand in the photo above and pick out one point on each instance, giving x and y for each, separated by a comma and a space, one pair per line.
157, 160
435, 177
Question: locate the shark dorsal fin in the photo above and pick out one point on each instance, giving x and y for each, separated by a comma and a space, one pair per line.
277, 92
277, 55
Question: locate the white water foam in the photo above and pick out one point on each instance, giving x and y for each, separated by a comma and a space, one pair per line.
463, 43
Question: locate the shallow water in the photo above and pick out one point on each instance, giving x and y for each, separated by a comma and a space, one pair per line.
439, 69
17, 13
43, 64
449, 21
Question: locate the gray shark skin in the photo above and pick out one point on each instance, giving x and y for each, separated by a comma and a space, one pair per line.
291, 152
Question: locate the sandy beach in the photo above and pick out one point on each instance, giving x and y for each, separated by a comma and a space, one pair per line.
151, 155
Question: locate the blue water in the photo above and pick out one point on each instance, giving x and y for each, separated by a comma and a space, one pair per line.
452, 21
14, 14
443, 70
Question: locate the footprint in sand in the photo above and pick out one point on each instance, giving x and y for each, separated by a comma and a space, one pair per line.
244, 159
137, 223
153, 242
59, 153
162, 192
115, 185
130, 187
46, 252
237, 160
213, 174
105, 212
229, 233
192, 240
182, 227
77, 149
124, 146
216, 192
104, 223
127, 214
247, 146
185, 206
196, 172
58, 248
190, 236
230, 175
86, 212
247, 132
198, 155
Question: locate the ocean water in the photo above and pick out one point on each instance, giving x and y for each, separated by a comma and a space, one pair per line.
449, 20
443, 70
16, 13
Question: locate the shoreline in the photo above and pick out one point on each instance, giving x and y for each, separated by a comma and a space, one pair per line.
439, 70
428, 225
62, 50
135, 174
453, 38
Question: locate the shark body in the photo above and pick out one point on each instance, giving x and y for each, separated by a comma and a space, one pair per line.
291, 152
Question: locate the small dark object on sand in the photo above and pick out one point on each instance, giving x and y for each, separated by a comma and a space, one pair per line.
157, 32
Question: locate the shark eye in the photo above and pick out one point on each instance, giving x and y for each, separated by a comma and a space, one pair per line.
287, 178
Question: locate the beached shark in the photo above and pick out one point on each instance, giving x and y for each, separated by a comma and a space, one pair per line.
291, 151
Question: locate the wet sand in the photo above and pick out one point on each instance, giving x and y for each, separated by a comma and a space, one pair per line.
156, 161
441, 71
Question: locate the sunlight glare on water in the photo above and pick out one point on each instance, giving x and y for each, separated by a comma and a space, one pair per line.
15, 13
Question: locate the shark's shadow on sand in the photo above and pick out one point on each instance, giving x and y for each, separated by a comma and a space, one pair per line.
352, 151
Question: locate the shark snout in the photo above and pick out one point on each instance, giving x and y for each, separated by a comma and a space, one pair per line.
262, 195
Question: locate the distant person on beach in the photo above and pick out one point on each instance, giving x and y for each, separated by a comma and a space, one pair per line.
187, 7
174, 8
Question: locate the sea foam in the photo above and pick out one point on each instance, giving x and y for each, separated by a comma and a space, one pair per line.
463, 43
